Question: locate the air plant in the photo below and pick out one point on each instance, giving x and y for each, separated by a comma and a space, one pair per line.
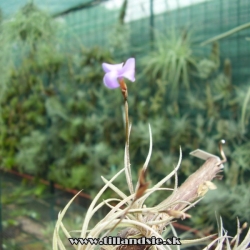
171, 61
129, 213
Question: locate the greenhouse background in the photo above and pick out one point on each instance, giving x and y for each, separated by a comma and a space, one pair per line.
61, 129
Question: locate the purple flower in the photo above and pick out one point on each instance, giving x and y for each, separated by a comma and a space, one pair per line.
116, 71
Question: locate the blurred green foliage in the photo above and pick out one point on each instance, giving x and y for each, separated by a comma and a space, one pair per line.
58, 121
52, 122
193, 103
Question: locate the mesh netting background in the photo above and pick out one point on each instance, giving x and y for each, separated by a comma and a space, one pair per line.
91, 22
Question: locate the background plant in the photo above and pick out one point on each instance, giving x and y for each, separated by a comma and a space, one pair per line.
56, 119
212, 108
46, 104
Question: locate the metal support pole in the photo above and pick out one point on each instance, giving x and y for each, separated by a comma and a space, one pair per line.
151, 22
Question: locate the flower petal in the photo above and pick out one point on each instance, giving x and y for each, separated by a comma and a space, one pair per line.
111, 67
128, 70
110, 80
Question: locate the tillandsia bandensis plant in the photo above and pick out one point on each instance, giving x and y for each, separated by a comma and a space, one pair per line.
142, 227
52, 97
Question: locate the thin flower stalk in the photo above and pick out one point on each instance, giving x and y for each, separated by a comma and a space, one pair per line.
114, 78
